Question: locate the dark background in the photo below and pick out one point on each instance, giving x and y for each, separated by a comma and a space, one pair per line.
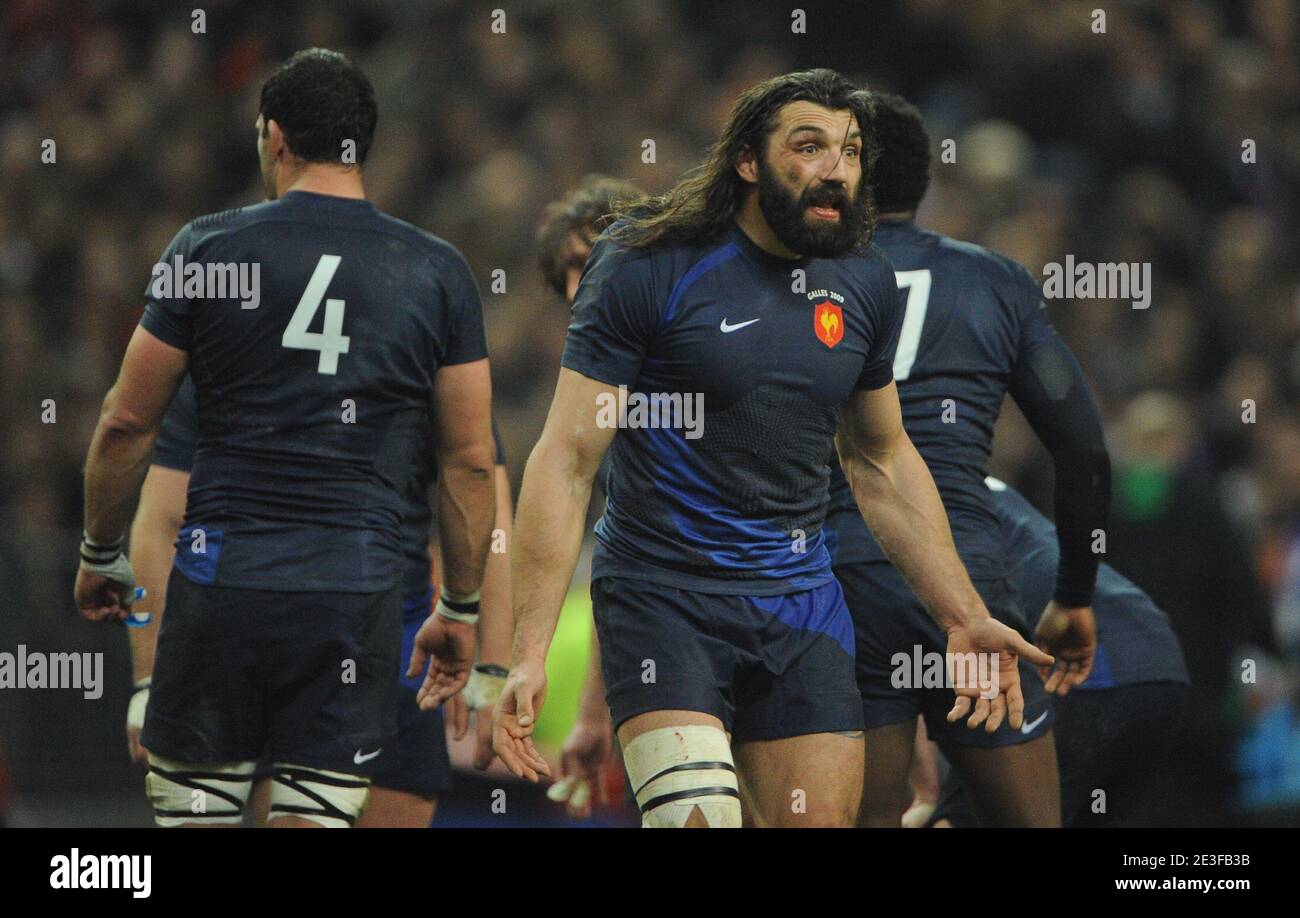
1123, 146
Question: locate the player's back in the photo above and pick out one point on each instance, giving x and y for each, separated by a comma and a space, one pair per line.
311, 403
969, 314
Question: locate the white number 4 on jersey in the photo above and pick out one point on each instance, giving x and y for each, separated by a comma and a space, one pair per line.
331, 341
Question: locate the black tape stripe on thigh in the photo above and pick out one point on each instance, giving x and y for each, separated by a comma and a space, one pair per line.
686, 766
291, 778
693, 792
191, 780
303, 774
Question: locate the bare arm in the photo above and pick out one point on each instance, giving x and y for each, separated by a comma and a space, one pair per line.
496, 622
153, 533
548, 536
128, 425
897, 497
466, 459
115, 470
553, 510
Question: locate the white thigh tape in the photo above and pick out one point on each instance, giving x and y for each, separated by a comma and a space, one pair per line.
330, 798
674, 770
205, 794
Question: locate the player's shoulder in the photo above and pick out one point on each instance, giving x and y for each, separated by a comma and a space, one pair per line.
999, 271
439, 251
613, 261
871, 255
870, 265
209, 227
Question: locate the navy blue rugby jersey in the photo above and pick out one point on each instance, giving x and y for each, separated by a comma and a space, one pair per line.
1135, 642
729, 497
179, 438
970, 318
311, 404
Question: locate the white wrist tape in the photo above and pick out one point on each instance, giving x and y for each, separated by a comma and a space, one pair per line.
139, 703
483, 689
458, 607
118, 570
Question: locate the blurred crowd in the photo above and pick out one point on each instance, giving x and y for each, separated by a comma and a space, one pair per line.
1124, 145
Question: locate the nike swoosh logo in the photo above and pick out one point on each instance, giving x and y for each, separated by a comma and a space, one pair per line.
360, 759
1029, 727
728, 329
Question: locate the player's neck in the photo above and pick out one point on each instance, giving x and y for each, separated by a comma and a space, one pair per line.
908, 216
323, 178
754, 225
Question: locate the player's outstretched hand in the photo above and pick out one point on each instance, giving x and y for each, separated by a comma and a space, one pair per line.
515, 719
104, 599
992, 691
1070, 633
588, 751
448, 647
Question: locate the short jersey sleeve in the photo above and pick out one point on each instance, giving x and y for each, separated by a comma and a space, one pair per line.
168, 315
466, 340
615, 315
885, 317
178, 437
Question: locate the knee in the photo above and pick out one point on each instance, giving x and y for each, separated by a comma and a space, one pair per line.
684, 776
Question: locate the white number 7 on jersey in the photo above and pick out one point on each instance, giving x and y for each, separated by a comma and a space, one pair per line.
917, 285
330, 341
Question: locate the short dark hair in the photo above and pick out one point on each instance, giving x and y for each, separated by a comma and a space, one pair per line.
585, 211
902, 173
321, 98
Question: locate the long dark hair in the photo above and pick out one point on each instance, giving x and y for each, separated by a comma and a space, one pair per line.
700, 207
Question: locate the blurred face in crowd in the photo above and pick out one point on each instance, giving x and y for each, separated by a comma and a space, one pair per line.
575, 258
810, 186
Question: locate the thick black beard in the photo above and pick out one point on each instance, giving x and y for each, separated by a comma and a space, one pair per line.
785, 215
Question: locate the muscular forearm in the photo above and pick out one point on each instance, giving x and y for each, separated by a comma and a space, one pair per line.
496, 619
900, 503
115, 468
466, 515
548, 537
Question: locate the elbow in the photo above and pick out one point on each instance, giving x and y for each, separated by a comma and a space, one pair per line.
471, 463
119, 420
478, 469
864, 472
564, 463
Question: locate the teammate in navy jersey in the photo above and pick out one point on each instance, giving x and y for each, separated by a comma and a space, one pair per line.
1113, 729
283, 623
974, 328
405, 788
750, 286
